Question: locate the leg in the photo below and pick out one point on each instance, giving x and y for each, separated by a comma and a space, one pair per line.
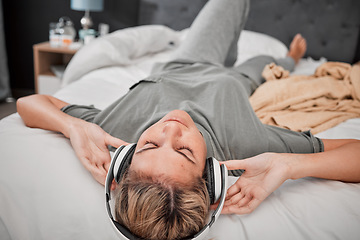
297, 48
215, 32
254, 67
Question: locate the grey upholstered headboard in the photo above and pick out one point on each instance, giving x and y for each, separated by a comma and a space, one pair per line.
331, 27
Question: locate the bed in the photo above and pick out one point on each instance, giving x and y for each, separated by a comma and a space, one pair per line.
45, 192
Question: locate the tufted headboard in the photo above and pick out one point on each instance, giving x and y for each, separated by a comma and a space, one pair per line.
331, 27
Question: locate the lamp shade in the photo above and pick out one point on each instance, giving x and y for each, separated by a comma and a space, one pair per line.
84, 5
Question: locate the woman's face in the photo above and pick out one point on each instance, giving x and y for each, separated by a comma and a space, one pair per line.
173, 148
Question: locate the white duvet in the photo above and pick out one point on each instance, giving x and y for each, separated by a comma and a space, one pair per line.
45, 192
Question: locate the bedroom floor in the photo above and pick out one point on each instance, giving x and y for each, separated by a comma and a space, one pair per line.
7, 108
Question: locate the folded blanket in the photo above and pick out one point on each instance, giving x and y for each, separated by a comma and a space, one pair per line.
316, 103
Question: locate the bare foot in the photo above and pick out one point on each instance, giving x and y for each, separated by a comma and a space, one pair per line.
297, 48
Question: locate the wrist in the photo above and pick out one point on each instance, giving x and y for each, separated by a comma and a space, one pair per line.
284, 164
288, 165
71, 124
298, 165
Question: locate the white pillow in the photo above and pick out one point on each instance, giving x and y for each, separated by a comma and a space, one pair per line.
120, 48
253, 44
123, 47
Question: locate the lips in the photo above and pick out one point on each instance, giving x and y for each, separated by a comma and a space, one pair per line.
175, 120
178, 116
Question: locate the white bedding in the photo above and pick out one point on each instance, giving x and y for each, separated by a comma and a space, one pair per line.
45, 193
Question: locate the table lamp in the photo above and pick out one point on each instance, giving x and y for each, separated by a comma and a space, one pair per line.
86, 22
87, 6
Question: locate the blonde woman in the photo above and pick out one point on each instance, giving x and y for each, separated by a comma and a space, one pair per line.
163, 193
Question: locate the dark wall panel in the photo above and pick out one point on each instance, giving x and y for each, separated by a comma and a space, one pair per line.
27, 23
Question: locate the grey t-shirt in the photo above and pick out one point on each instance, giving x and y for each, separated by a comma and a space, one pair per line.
215, 97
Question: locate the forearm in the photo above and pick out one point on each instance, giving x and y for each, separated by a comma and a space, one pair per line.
42, 111
265, 172
342, 163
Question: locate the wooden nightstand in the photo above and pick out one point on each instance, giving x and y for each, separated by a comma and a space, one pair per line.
46, 56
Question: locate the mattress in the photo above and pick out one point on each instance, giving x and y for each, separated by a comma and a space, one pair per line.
45, 192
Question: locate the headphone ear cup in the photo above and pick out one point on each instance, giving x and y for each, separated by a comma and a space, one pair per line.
213, 179
122, 160
209, 178
217, 179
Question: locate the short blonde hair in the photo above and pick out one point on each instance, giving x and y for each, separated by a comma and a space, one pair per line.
159, 208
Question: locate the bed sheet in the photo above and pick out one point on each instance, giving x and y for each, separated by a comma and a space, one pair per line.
45, 193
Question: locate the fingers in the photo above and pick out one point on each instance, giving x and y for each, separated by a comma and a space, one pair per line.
237, 198
245, 206
236, 164
238, 195
107, 166
239, 201
101, 160
241, 198
239, 204
97, 169
99, 172
214, 206
113, 186
113, 141
97, 163
235, 188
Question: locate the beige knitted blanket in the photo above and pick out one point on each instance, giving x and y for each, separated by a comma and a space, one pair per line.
316, 103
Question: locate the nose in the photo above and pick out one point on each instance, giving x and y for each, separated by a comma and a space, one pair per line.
172, 130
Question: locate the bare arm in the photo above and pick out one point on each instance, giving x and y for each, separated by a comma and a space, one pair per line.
266, 172
88, 140
43, 111
339, 161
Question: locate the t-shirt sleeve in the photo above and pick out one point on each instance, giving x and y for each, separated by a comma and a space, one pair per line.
87, 113
283, 140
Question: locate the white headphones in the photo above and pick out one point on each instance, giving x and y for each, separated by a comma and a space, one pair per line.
216, 177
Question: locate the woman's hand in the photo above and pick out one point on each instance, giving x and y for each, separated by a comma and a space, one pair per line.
263, 174
90, 143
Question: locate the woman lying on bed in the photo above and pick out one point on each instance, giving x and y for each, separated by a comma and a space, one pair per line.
164, 191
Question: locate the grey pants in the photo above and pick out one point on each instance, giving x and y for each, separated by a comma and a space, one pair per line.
214, 35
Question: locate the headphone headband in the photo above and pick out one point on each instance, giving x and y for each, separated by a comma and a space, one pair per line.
216, 178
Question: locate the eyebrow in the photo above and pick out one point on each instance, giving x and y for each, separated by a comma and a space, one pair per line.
150, 148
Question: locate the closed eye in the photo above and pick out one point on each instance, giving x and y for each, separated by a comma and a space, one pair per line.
187, 148
151, 145
180, 149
